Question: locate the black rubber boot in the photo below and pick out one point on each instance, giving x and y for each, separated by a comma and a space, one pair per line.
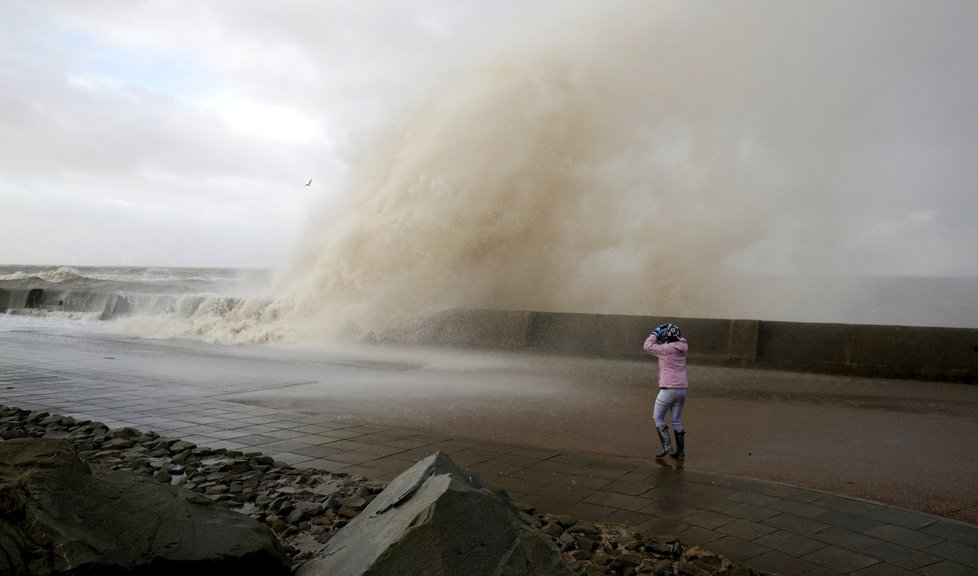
680, 445
664, 438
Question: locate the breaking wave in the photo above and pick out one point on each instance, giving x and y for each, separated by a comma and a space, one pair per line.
618, 158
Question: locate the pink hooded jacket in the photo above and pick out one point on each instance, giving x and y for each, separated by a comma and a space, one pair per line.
672, 361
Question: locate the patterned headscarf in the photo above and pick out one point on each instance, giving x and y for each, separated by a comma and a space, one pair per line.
667, 333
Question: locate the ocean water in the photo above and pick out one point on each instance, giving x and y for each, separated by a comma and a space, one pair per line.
242, 306
212, 304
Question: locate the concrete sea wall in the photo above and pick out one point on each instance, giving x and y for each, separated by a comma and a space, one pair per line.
929, 353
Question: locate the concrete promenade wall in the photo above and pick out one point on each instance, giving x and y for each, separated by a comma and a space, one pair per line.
868, 350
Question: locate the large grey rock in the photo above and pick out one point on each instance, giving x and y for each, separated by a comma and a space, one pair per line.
434, 519
57, 517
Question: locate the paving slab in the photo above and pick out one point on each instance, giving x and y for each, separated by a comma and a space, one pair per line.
773, 526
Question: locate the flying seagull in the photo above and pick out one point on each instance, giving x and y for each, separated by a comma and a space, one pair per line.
309, 183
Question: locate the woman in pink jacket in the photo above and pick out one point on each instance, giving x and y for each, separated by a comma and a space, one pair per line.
668, 345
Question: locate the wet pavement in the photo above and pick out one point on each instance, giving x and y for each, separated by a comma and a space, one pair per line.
565, 435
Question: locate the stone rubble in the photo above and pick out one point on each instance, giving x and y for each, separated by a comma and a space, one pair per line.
59, 518
305, 507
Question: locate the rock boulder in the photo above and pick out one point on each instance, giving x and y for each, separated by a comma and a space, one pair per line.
436, 519
58, 517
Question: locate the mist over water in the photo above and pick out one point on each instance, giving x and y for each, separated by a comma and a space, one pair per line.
752, 159
626, 157
749, 159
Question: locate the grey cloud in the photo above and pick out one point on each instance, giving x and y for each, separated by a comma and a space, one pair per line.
835, 125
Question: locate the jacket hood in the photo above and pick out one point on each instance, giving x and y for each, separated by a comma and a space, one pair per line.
680, 344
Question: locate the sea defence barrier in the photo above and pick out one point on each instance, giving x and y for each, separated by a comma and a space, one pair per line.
104, 305
910, 352
905, 352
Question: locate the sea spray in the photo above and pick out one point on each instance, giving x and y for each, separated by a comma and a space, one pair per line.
626, 157
634, 158
611, 168
629, 157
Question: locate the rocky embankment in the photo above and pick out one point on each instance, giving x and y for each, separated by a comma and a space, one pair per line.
305, 507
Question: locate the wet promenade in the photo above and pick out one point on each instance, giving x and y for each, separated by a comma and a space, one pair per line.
350, 411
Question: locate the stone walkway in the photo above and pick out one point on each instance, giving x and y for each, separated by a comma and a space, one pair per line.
770, 526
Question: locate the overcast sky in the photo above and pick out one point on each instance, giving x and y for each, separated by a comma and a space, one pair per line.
173, 133
183, 133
